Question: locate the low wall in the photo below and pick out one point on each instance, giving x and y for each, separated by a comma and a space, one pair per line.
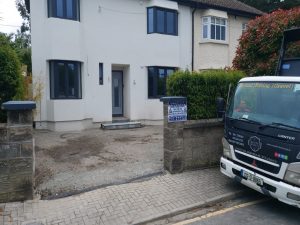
191, 144
16, 156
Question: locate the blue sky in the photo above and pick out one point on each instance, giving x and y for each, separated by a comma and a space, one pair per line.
11, 19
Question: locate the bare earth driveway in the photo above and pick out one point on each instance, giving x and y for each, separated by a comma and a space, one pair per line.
73, 162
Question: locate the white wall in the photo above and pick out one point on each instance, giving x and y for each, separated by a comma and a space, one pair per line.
113, 32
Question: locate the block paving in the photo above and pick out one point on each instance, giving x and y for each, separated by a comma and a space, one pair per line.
122, 204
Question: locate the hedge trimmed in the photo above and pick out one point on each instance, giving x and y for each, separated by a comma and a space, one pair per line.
202, 89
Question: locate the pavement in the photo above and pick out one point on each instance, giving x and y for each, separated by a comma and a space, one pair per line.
137, 202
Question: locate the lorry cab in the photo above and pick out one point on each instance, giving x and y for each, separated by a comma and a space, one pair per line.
261, 144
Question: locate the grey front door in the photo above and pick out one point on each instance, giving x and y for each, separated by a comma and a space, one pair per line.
117, 93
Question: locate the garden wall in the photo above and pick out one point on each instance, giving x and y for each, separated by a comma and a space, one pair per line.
17, 153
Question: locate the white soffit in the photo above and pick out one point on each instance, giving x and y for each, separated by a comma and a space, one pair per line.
164, 4
215, 13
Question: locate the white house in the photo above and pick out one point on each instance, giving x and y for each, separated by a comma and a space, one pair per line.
97, 60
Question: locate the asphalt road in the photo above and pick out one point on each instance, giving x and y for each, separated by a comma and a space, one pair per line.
264, 211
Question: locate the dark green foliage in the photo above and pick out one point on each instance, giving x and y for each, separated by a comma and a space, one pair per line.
202, 89
10, 77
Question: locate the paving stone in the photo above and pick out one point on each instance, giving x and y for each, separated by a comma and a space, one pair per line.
126, 203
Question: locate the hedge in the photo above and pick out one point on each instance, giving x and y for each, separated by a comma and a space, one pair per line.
202, 89
258, 50
11, 85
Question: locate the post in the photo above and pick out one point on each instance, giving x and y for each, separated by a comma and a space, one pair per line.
17, 155
175, 113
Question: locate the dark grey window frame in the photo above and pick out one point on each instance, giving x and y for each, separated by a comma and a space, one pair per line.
54, 80
101, 75
154, 91
52, 12
155, 22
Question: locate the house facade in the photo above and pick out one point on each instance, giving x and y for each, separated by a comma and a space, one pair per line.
96, 60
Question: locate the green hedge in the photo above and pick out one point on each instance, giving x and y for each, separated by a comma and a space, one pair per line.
11, 87
202, 89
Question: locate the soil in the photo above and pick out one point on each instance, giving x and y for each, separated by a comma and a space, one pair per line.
73, 162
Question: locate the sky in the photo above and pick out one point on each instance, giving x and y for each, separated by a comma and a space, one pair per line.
10, 18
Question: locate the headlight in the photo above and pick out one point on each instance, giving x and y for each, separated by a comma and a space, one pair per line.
292, 174
226, 148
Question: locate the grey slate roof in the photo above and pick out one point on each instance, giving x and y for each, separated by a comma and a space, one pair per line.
227, 5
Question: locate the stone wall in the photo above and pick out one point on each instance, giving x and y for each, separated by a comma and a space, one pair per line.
16, 156
191, 144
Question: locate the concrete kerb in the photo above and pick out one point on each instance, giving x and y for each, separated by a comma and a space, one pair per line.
202, 204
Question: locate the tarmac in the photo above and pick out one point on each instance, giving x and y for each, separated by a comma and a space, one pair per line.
138, 202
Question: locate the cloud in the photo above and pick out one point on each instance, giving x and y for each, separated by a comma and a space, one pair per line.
10, 17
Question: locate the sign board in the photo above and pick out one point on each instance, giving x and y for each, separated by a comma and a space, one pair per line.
177, 112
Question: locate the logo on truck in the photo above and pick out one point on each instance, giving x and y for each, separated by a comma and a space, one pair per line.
254, 143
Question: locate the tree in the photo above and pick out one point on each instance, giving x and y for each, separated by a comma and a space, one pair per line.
23, 7
11, 84
258, 50
271, 5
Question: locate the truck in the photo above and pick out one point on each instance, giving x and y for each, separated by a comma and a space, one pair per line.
261, 143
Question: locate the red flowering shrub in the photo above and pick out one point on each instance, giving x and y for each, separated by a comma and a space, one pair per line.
258, 50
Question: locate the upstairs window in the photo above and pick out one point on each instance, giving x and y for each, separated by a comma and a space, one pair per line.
244, 27
214, 28
64, 9
162, 21
65, 79
157, 81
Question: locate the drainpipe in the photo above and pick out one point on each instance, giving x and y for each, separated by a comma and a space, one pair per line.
193, 38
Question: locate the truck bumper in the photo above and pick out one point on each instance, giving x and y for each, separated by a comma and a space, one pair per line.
282, 191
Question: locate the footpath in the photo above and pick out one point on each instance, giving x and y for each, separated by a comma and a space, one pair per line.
126, 204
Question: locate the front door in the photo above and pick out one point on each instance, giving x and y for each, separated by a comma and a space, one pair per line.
117, 93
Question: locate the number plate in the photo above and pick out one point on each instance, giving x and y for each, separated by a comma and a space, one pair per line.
252, 177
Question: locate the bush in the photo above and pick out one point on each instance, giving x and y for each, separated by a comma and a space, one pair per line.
202, 89
259, 46
11, 85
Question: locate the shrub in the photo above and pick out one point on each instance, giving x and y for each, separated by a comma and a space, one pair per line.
202, 89
11, 85
259, 46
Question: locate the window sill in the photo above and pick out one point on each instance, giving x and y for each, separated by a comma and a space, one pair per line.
176, 35
209, 41
62, 18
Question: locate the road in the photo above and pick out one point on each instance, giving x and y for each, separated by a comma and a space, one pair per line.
261, 211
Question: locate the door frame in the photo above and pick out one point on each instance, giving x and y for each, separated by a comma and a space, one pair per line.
122, 81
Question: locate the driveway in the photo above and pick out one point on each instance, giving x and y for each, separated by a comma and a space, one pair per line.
73, 162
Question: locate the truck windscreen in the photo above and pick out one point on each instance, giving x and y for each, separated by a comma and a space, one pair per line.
267, 103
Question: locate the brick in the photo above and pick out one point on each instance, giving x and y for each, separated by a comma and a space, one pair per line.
20, 133
3, 133
9, 150
27, 149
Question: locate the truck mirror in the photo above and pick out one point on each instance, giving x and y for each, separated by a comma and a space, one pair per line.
220, 107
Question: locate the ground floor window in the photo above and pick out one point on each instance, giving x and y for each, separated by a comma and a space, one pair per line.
65, 79
157, 80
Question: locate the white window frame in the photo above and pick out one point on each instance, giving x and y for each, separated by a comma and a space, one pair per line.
244, 27
207, 22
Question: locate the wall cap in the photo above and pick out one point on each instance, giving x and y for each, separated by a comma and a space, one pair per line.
18, 105
172, 99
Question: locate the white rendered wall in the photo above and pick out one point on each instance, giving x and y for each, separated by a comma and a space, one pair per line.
113, 32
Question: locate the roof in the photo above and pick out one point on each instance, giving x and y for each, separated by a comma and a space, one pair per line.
271, 79
231, 6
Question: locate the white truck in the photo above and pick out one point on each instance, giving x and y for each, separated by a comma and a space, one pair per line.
261, 144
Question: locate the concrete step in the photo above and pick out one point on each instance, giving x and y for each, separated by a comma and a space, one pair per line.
119, 126
120, 120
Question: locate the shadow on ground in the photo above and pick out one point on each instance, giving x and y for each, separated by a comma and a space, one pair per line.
69, 163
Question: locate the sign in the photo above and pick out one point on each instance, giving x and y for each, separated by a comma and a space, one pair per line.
177, 112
